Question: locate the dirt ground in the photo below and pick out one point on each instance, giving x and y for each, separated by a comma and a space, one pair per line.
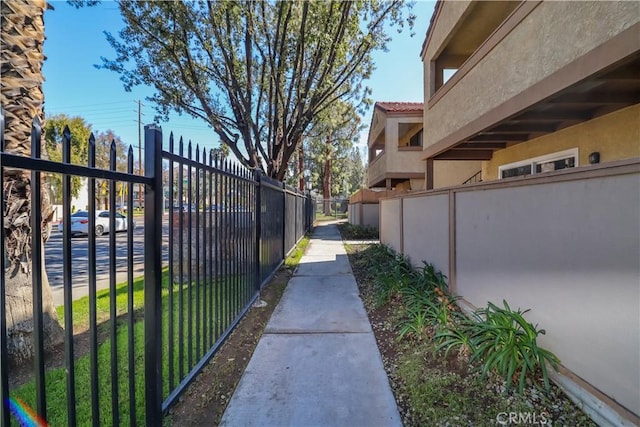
204, 402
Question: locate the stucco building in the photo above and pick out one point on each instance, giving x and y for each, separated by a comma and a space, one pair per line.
395, 146
541, 101
529, 87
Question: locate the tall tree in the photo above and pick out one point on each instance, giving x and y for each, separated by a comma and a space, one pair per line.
54, 131
329, 144
258, 72
22, 100
104, 142
356, 172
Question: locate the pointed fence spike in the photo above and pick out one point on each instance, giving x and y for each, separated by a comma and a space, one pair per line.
189, 150
171, 142
181, 143
36, 138
92, 151
112, 155
66, 145
130, 160
197, 154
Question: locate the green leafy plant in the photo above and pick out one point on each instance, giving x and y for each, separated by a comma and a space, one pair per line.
416, 325
439, 312
353, 232
506, 343
428, 277
457, 336
392, 278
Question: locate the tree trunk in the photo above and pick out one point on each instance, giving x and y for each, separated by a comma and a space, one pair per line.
301, 183
22, 100
326, 181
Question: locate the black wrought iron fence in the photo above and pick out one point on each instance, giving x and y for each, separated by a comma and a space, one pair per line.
212, 234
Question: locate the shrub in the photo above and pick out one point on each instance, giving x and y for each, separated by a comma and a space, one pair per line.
354, 232
392, 278
498, 338
507, 343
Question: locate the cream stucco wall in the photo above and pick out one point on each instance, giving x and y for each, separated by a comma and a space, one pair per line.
449, 17
550, 37
401, 161
364, 214
390, 214
447, 173
566, 249
417, 184
393, 161
376, 170
616, 136
569, 252
426, 225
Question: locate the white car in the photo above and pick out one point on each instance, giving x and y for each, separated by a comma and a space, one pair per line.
80, 223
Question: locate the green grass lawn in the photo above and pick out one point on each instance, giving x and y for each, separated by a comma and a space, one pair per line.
320, 216
227, 306
189, 338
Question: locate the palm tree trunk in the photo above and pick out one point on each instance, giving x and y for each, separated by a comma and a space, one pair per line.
22, 100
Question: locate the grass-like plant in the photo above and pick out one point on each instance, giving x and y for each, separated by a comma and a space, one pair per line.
392, 278
428, 277
431, 307
498, 338
506, 343
457, 336
355, 232
416, 325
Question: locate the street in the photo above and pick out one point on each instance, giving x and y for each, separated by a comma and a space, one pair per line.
80, 261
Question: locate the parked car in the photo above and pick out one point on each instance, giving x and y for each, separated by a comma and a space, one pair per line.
185, 208
80, 223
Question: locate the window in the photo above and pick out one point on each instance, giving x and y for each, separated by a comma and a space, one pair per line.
416, 140
552, 162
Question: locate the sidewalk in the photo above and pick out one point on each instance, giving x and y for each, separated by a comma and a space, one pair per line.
317, 363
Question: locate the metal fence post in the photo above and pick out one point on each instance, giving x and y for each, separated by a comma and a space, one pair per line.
284, 220
153, 275
258, 210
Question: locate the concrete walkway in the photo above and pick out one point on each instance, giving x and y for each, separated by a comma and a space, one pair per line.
317, 363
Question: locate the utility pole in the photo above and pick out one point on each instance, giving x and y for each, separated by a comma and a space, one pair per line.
139, 156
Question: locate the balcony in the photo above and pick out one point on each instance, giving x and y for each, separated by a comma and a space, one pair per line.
396, 167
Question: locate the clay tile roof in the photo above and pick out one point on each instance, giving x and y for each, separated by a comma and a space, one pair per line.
400, 107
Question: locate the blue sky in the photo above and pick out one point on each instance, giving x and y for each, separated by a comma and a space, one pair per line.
75, 42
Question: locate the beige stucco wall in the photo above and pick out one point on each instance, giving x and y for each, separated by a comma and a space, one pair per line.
569, 252
376, 170
401, 161
364, 214
447, 173
392, 160
426, 235
371, 215
550, 37
353, 213
451, 13
417, 184
390, 223
616, 136
566, 249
